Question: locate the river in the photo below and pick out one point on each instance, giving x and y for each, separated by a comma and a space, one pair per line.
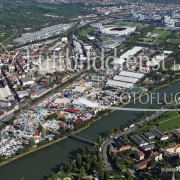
40, 164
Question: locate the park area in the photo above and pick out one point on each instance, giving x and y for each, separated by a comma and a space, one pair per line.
176, 39
157, 36
130, 24
85, 32
169, 121
162, 35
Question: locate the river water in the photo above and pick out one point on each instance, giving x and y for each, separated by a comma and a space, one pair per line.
40, 164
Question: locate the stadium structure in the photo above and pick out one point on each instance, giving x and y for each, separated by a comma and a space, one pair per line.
117, 30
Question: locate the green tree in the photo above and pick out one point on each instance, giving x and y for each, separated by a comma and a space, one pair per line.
31, 143
82, 170
40, 128
78, 160
56, 136
99, 140
62, 130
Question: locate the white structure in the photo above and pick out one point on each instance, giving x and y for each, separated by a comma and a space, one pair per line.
131, 74
4, 103
125, 79
64, 39
127, 55
85, 102
5, 93
91, 37
43, 33
120, 31
26, 81
79, 89
22, 94
62, 101
119, 84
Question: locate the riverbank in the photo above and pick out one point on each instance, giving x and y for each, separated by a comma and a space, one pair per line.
78, 131
51, 143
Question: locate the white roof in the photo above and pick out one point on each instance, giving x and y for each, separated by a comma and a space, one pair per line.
119, 61
168, 52
131, 74
114, 83
86, 102
5, 92
125, 79
128, 54
62, 100
79, 89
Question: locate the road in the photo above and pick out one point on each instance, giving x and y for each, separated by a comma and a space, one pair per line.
108, 164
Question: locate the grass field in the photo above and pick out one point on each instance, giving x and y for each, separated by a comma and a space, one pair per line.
85, 32
161, 35
5, 33
127, 23
171, 120
175, 41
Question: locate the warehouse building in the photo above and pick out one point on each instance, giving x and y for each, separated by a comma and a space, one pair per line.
5, 94
127, 55
160, 135
126, 79
148, 147
138, 140
119, 84
131, 74
119, 145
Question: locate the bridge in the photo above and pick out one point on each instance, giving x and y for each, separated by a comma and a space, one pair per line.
82, 139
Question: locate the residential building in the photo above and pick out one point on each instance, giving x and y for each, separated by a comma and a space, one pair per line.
140, 155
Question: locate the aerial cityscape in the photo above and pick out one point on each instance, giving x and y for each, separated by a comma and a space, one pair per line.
90, 90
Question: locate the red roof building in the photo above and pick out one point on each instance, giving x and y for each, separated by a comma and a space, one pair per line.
77, 121
71, 110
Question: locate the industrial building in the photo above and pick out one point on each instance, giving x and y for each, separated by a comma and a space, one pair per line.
149, 135
119, 145
119, 84
43, 33
5, 94
127, 55
148, 147
126, 79
131, 74
159, 134
138, 140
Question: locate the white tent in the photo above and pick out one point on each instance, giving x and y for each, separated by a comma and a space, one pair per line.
62, 100
86, 102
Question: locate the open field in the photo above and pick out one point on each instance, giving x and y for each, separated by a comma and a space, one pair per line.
85, 32
175, 41
171, 120
127, 23
161, 35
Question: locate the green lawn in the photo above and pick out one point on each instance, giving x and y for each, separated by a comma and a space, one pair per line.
85, 32
165, 34
147, 39
162, 35
175, 41
156, 31
8, 33
131, 24
171, 120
